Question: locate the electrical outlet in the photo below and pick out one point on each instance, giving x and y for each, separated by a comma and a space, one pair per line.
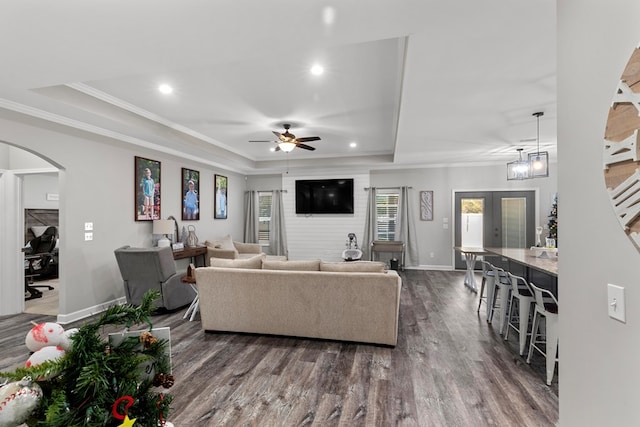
615, 301
88, 236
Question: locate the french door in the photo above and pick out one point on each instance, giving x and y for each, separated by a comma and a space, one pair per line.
487, 219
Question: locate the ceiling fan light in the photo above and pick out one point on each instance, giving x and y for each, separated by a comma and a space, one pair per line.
287, 147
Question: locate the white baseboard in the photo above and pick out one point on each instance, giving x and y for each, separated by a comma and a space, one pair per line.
431, 267
64, 319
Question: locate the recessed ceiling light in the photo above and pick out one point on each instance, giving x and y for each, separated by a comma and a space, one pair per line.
165, 88
317, 70
353, 145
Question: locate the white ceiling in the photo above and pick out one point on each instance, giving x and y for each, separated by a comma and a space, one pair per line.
414, 83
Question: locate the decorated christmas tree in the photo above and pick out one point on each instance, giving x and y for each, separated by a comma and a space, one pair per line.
97, 381
553, 220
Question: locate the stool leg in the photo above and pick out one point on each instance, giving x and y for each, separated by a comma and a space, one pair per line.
504, 296
552, 346
534, 334
484, 280
523, 324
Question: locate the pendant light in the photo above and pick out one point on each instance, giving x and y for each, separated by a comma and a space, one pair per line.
539, 160
519, 169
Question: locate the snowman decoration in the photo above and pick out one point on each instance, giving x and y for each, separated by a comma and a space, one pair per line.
48, 341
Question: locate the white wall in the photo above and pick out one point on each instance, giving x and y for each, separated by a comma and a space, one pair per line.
324, 236
96, 184
433, 238
35, 188
599, 374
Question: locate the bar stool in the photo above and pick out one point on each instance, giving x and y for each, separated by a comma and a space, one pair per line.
522, 296
503, 288
488, 282
547, 307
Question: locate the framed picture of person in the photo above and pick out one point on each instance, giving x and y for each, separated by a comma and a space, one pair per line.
147, 189
190, 195
220, 197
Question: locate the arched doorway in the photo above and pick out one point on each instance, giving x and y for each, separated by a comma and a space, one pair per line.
28, 183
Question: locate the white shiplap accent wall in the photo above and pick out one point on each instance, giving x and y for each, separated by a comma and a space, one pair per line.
323, 236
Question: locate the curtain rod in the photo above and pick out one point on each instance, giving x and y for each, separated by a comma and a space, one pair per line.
277, 189
384, 188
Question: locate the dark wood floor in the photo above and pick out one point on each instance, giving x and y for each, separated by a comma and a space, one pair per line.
450, 368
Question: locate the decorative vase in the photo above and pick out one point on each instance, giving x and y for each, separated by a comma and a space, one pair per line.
192, 239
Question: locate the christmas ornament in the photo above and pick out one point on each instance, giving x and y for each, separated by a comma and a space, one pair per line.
65, 342
17, 401
45, 354
164, 380
44, 334
147, 339
126, 422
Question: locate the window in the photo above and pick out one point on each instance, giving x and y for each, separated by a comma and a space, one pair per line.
264, 217
386, 214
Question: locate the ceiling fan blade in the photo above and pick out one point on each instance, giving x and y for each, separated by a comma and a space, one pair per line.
279, 135
277, 148
308, 139
305, 146
261, 141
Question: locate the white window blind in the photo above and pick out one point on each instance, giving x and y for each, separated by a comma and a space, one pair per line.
386, 214
264, 217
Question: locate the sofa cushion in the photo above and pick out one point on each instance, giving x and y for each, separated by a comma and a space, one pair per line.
247, 248
225, 242
354, 266
299, 265
254, 263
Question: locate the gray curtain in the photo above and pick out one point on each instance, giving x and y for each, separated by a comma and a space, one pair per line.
407, 224
250, 217
369, 224
278, 234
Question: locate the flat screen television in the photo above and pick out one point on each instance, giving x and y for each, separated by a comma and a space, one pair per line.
324, 196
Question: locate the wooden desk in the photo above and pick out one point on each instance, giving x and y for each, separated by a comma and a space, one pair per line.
193, 253
470, 256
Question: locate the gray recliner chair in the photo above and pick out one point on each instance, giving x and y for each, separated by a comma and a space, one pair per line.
143, 269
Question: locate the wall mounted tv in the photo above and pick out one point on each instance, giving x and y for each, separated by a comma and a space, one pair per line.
324, 196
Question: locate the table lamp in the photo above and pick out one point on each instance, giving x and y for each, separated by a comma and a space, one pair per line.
163, 227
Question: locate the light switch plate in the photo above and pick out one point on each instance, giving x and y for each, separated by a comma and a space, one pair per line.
615, 301
88, 226
88, 236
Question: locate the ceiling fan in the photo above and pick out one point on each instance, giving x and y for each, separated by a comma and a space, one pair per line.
288, 141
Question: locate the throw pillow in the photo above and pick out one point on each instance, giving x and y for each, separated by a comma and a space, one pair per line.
253, 263
298, 265
224, 243
354, 266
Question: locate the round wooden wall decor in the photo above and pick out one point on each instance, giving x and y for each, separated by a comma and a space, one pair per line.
621, 156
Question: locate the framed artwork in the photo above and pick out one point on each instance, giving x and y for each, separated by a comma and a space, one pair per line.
426, 205
220, 199
147, 189
190, 194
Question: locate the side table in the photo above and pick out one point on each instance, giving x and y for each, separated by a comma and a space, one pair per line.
193, 308
193, 253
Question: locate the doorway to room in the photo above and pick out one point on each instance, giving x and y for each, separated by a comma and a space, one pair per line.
493, 219
29, 191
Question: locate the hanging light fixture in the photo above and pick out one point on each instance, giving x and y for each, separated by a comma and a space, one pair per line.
519, 169
539, 160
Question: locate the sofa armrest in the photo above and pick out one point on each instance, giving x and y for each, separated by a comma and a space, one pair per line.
247, 248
